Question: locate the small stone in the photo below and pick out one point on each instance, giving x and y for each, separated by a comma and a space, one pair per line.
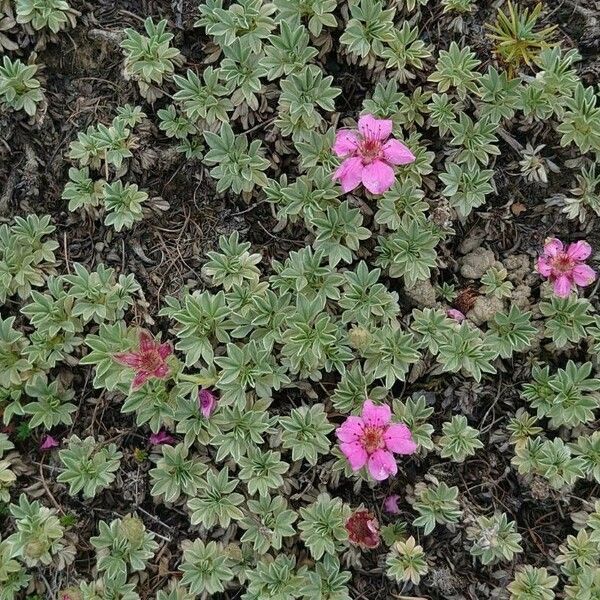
422, 294
475, 264
520, 297
485, 309
472, 242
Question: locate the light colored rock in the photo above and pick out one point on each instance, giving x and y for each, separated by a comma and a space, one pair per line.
485, 309
520, 297
476, 263
422, 294
472, 241
518, 267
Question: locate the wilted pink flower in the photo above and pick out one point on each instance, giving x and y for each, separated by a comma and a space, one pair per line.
371, 439
390, 504
368, 155
162, 437
207, 402
149, 361
455, 314
48, 442
565, 268
363, 529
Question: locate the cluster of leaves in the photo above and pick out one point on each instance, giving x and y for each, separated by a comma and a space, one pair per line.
106, 149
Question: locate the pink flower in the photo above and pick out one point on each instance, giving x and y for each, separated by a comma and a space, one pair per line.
565, 268
149, 361
368, 155
207, 402
372, 440
162, 437
48, 442
455, 314
363, 529
390, 504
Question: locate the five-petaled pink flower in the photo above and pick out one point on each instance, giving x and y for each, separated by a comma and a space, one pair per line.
565, 268
48, 442
363, 529
390, 504
372, 440
369, 155
207, 402
162, 437
149, 361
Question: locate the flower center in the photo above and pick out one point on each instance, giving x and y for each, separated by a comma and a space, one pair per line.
372, 439
152, 360
563, 263
370, 150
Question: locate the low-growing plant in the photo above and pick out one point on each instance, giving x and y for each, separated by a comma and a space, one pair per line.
176, 473
581, 120
456, 70
149, 59
123, 545
246, 22
437, 503
38, 539
569, 397
267, 522
406, 561
459, 440
239, 165
53, 14
205, 568
322, 525
370, 27
494, 539
516, 35
532, 583
464, 349
305, 433
19, 88
317, 13
89, 467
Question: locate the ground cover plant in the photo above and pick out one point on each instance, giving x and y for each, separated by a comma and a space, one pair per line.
299, 300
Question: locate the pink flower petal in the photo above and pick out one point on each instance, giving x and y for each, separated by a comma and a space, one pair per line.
390, 504
140, 379
355, 453
374, 129
455, 314
378, 177
544, 268
128, 359
553, 246
165, 350
161, 371
381, 465
349, 173
397, 153
346, 143
207, 401
162, 437
376, 416
48, 442
147, 343
399, 439
562, 286
350, 430
583, 275
579, 250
